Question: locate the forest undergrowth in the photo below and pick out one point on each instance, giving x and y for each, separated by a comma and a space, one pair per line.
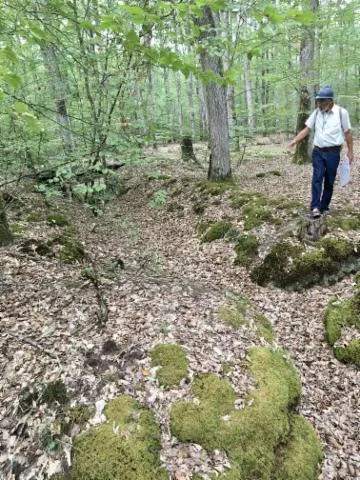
85, 301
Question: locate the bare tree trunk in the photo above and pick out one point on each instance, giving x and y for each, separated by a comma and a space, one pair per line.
191, 105
215, 94
59, 89
202, 111
307, 48
5, 234
248, 95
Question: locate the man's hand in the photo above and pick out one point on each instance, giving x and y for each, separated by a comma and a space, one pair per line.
292, 144
350, 157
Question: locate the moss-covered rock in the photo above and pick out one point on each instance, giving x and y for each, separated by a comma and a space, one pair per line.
173, 362
58, 219
246, 249
302, 452
127, 447
251, 437
71, 250
218, 230
293, 266
337, 316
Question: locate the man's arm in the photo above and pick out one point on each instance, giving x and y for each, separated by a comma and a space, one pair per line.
302, 134
350, 145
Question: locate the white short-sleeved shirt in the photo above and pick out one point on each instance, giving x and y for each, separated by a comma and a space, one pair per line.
329, 129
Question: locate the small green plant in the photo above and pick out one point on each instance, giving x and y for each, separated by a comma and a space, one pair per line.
158, 199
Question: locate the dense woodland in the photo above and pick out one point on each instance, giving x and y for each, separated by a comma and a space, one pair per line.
167, 308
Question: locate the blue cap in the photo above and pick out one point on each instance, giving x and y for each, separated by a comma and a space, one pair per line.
325, 93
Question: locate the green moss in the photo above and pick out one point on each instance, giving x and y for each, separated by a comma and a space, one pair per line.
350, 353
216, 188
55, 392
302, 454
71, 249
345, 223
173, 362
35, 217
255, 214
291, 266
251, 437
52, 393
264, 328
246, 249
217, 231
234, 311
57, 219
75, 416
238, 200
337, 316
125, 448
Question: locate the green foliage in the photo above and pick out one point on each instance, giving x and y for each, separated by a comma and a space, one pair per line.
173, 362
246, 249
158, 200
256, 437
127, 447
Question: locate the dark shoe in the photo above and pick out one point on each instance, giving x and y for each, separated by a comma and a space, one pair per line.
326, 212
315, 213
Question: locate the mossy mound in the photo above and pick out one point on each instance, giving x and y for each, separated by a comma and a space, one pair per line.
337, 316
71, 250
293, 267
75, 416
57, 219
127, 447
218, 230
173, 362
246, 249
216, 188
260, 440
238, 200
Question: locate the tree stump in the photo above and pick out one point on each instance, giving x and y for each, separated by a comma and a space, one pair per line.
313, 228
187, 149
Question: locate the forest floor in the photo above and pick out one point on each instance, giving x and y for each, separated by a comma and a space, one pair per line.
170, 289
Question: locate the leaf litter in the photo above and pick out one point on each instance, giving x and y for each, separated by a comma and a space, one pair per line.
170, 290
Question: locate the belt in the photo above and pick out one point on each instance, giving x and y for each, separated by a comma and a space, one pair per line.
329, 149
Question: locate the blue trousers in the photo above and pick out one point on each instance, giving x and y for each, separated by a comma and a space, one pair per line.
325, 165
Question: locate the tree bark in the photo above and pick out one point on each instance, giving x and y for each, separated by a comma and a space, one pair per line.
307, 90
215, 95
248, 95
59, 89
5, 234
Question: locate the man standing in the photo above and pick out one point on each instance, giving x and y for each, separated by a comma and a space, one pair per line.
332, 127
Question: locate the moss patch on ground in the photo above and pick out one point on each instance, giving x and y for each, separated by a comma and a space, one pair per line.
173, 362
345, 223
58, 219
217, 231
127, 447
293, 267
237, 310
216, 188
71, 250
254, 436
339, 315
246, 249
